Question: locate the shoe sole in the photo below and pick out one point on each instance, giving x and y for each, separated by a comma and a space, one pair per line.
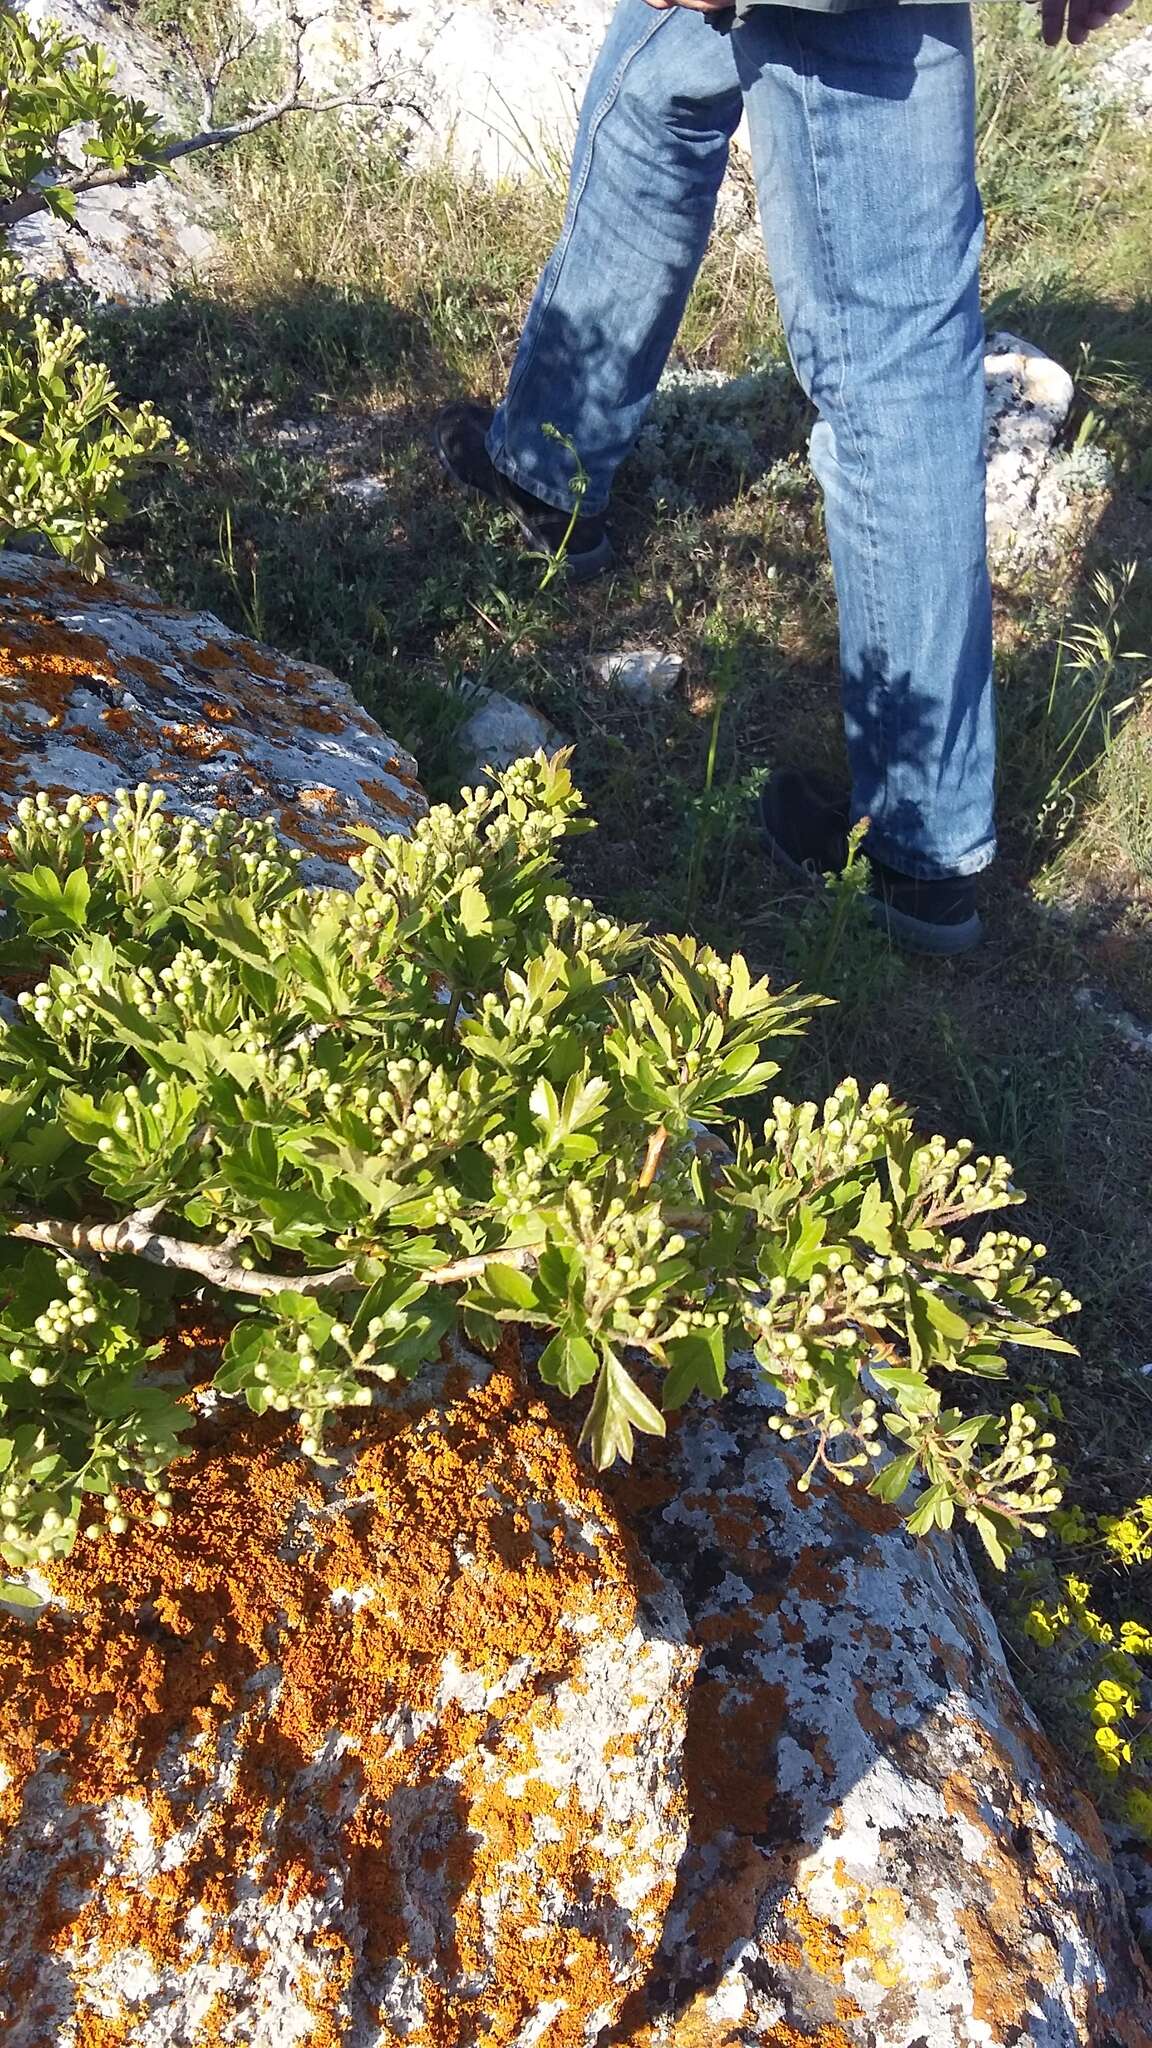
911, 934
580, 568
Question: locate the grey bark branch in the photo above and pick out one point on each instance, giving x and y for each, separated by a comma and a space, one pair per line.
217, 1263
31, 203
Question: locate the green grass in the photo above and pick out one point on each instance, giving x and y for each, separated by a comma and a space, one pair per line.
369, 294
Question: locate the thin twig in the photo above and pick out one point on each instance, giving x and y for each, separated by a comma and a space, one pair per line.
653, 1156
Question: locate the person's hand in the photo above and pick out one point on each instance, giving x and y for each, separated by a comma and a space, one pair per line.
703, 6
1076, 20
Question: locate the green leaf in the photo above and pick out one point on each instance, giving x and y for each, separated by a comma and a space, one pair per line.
697, 1365
952, 1327
509, 1286
934, 1510
1033, 1337
912, 1390
49, 906
618, 1408
893, 1482
568, 1363
14, 1594
474, 915
873, 1226
997, 1534
77, 896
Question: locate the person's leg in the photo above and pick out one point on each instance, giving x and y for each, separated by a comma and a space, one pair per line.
862, 131
661, 106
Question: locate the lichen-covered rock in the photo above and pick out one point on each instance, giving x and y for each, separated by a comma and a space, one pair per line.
454, 1746
103, 687
1121, 79
1039, 500
130, 242
387, 1753
885, 1851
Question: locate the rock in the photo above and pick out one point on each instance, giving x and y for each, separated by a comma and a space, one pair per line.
502, 730
387, 1755
129, 242
641, 672
365, 491
456, 1745
497, 83
884, 1850
1121, 79
102, 687
1035, 497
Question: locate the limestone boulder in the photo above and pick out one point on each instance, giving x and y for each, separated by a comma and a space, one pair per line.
382, 1754
454, 1745
103, 686
502, 730
884, 1850
1120, 81
129, 242
495, 83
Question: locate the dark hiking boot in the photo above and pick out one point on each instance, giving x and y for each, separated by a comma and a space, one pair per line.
806, 827
461, 434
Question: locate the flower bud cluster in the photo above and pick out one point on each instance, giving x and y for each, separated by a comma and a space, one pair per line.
519, 1178
244, 856
46, 835
492, 832
42, 1490
1022, 1478
577, 927
824, 1143
949, 1185
410, 1112
312, 1381
629, 1260
1003, 1267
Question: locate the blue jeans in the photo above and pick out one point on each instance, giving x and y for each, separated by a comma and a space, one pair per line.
862, 134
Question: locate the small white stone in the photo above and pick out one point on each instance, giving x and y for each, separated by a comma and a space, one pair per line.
363, 490
641, 672
501, 731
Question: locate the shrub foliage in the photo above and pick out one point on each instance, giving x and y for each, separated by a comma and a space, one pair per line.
455, 1093
67, 442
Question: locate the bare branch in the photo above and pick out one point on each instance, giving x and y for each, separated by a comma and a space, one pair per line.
134, 1235
291, 102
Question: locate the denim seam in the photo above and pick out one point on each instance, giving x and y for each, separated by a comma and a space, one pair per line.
836, 298
560, 255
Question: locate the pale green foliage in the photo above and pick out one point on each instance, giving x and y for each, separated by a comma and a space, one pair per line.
67, 443
456, 1062
63, 116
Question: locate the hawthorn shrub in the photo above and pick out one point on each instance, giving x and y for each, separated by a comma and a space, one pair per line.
68, 443
453, 1095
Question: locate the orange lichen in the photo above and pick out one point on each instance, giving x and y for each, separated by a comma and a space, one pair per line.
875, 1929
197, 740
387, 800
160, 1639
822, 1946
